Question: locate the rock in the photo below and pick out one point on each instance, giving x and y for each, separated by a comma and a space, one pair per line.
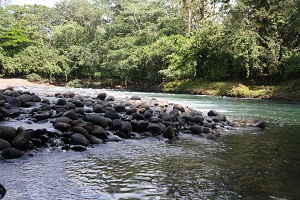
222, 117
78, 103
196, 129
119, 108
79, 139
110, 98
179, 107
14, 102
126, 129
64, 120
81, 130
154, 128
96, 120
169, 133
134, 97
257, 123
99, 132
78, 147
101, 96
115, 138
8, 133
21, 140
11, 153
4, 144
71, 115
212, 113
95, 140
116, 124
41, 115
62, 126
112, 115
98, 108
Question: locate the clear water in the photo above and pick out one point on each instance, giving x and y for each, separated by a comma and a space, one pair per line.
257, 164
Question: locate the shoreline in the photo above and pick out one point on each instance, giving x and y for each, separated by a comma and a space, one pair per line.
279, 93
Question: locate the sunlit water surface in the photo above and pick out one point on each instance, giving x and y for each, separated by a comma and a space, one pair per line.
256, 164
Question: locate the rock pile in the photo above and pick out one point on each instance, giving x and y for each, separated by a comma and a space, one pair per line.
78, 122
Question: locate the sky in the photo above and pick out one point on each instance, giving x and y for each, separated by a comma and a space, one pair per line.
49, 3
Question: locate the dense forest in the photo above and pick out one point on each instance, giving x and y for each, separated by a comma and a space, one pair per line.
152, 40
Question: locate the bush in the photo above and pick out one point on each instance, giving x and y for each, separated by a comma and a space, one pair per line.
33, 77
74, 83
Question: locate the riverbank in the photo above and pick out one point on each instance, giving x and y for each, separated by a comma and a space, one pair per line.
287, 91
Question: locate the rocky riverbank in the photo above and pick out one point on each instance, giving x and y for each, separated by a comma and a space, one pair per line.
76, 121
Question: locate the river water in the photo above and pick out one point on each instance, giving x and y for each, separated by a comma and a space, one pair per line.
256, 164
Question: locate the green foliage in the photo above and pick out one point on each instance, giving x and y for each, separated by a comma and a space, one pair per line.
74, 84
13, 41
291, 65
34, 77
152, 41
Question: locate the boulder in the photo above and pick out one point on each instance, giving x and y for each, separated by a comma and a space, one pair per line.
126, 129
169, 133
8, 133
81, 130
179, 107
95, 140
4, 144
212, 113
99, 132
11, 153
96, 120
79, 139
101, 96
21, 140
196, 129
62, 126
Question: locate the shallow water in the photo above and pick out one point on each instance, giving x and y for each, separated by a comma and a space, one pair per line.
257, 164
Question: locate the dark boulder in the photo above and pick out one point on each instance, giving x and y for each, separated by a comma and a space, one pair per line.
212, 113
257, 123
98, 108
41, 115
78, 147
101, 96
95, 140
81, 130
62, 126
134, 97
154, 128
119, 107
21, 140
14, 102
8, 133
179, 107
196, 129
4, 144
99, 132
126, 128
112, 115
11, 153
79, 139
169, 133
96, 120
71, 115
116, 124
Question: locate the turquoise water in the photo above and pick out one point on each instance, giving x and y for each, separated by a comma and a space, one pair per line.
256, 164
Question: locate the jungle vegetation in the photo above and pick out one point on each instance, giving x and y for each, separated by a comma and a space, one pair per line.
152, 40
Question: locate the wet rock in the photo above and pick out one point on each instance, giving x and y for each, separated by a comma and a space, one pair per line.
41, 116
78, 103
21, 140
63, 120
97, 120
101, 96
4, 144
179, 107
257, 123
81, 130
8, 133
62, 126
78, 147
11, 153
14, 102
98, 108
61, 102
135, 97
99, 132
79, 139
4, 112
71, 115
169, 133
110, 98
116, 124
196, 129
95, 140
212, 113
115, 138
126, 129
119, 108
154, 128
112, 115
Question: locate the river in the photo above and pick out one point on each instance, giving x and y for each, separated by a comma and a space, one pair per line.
256, 164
